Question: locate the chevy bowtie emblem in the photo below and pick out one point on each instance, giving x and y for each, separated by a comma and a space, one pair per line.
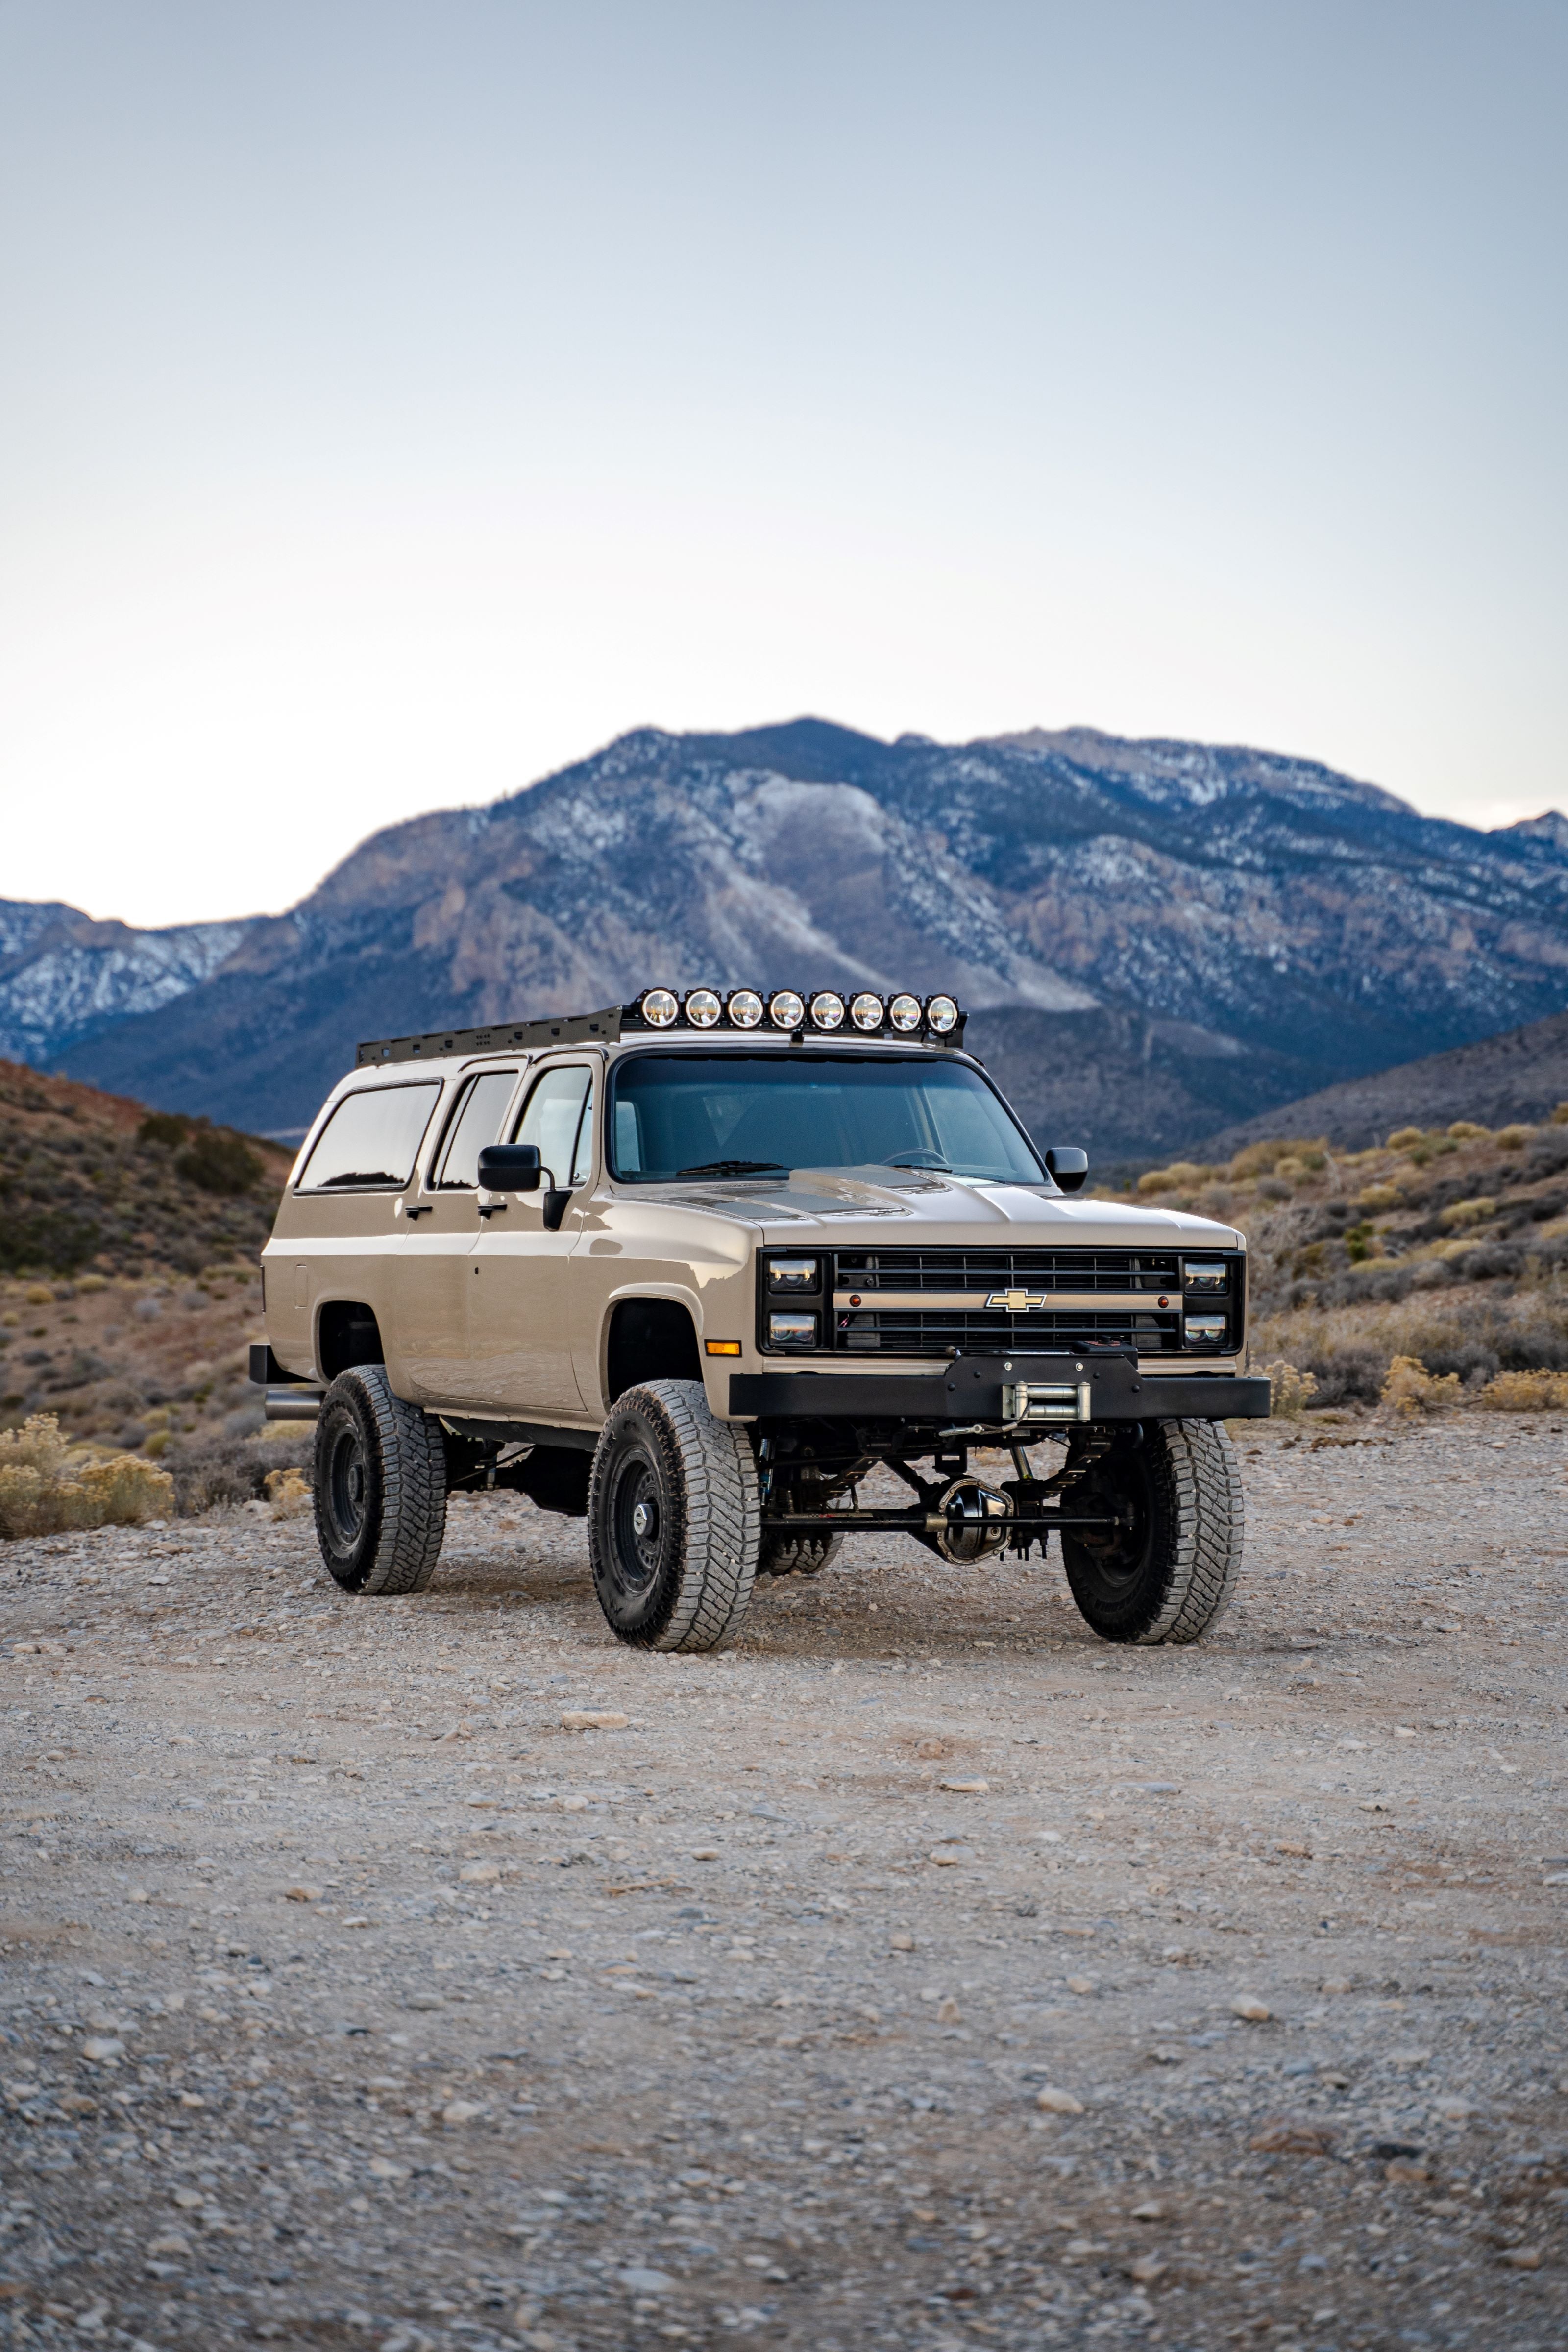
1015, 1301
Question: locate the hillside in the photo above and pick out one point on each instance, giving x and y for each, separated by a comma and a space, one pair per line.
1519, 1076
129, 1289
93, 1184
1244, 928
1449, 1246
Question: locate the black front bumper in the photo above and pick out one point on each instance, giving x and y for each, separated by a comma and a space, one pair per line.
971, 1390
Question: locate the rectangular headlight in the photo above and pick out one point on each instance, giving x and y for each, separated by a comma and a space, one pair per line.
792, 1331
1205, 1330
1205, 1274
794, 1274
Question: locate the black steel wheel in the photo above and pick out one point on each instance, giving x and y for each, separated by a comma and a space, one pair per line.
1167, 1572
674, 1521
380, 1486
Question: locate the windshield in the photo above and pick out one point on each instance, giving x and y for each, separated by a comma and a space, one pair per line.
759, 1114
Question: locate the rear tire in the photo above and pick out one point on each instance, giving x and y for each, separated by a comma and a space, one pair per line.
797, 1555
1168, 1575
381, 1486
674, 1519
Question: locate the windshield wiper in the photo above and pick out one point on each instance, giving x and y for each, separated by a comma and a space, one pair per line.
733, 1168
932, 1159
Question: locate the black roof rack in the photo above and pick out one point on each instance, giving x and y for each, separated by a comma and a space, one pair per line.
505, 1037
609, 1027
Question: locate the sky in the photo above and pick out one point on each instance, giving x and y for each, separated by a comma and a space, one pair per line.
397, 402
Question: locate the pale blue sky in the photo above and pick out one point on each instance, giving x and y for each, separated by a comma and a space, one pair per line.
399, 402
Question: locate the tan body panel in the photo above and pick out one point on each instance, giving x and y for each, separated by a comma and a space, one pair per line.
494, 1316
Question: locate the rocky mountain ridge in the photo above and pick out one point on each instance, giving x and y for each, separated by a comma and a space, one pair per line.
1218, 928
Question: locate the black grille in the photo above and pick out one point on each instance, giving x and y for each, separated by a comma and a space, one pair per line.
1006, 1270
948, 1328
935, 1331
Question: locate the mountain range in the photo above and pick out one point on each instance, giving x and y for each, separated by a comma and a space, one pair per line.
1155, 939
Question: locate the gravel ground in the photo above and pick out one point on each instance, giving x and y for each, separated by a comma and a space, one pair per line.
919, 1973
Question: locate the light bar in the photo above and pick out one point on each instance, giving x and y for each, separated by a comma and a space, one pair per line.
796, 1013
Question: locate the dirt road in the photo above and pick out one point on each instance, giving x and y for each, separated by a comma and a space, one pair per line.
921, 1973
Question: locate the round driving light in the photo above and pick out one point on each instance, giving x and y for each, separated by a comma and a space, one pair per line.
660, 1008
827, 1010
744, 1008
703, 1008
941, 1014
866, 1013
904, 1012
785, 1010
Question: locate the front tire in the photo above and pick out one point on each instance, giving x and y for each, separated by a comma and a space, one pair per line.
674, 1519
1168, 1575
381, 1486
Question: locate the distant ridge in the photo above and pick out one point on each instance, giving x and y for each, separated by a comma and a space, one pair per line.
1155, 936
1520, 1074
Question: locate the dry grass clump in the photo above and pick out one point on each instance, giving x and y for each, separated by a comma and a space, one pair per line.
1410, 1388
1468, 1212
1180, 1176
48, 1485
288, 1492
1291, 1391
1527, 1392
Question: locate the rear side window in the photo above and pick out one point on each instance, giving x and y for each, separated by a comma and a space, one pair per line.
372, 1137
476, 1122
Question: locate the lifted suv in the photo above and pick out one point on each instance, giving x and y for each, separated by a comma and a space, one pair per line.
694, 1267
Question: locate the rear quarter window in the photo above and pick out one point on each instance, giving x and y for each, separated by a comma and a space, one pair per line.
372, 1137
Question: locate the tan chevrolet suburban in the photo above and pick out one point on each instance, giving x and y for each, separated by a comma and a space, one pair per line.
694, 1267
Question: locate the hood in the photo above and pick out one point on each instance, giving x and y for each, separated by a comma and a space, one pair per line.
840, 1203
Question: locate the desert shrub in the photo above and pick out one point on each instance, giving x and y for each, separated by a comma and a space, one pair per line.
1548, 1153
219, 1162
1383, 1280
1464, 1130
1488, 1262
1560, 1116
1527, 1392
1258, 1159
169, 1127
1514, 1136
228, 1470
1181, 1174
1410, 1388
1377, 1197
59, 1239
47, 1484
1292, 1391
1272, 1188
1468, 1212
288, 1492
1403, 1137
91, 1284
1351, 1375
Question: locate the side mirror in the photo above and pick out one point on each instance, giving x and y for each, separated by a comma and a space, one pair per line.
1067, 1163
509, 1168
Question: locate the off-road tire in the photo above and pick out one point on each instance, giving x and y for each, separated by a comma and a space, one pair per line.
682, 1579
381, 1486
1170, 1576
797, 1555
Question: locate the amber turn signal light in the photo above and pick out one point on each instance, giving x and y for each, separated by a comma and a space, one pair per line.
723, 1347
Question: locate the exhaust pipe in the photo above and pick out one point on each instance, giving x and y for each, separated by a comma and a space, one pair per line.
293, 1403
